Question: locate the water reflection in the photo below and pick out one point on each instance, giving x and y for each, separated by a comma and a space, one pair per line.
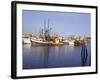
46, 55
84, 55
56, 49
55, 56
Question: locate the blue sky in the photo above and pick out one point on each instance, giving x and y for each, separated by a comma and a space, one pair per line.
63, 23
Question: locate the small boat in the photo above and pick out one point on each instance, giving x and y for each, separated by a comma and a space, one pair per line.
71, 43
66, 42
74, 43
26, 41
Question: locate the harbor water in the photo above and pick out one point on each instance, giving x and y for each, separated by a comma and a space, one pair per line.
36, 57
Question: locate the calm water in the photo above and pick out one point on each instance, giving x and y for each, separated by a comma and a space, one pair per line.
54, 56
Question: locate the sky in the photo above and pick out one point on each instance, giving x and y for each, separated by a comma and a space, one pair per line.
62, 23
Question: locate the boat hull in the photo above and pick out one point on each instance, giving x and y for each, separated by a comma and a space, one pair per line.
41, 43
26, 41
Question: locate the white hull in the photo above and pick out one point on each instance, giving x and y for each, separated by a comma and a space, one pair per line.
40, 43
36, 42
71, 43
26, 41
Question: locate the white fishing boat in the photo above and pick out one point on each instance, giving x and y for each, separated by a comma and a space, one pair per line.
38, 42
44, 42
45, 37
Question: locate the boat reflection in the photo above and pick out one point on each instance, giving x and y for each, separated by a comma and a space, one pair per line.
46, 55
35, 57
84, 55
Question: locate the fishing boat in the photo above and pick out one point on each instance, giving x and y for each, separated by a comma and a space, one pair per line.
74, 43
44, 37
41, 42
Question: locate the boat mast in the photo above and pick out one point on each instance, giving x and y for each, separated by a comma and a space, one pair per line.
48, 34
48, 23
47, 31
